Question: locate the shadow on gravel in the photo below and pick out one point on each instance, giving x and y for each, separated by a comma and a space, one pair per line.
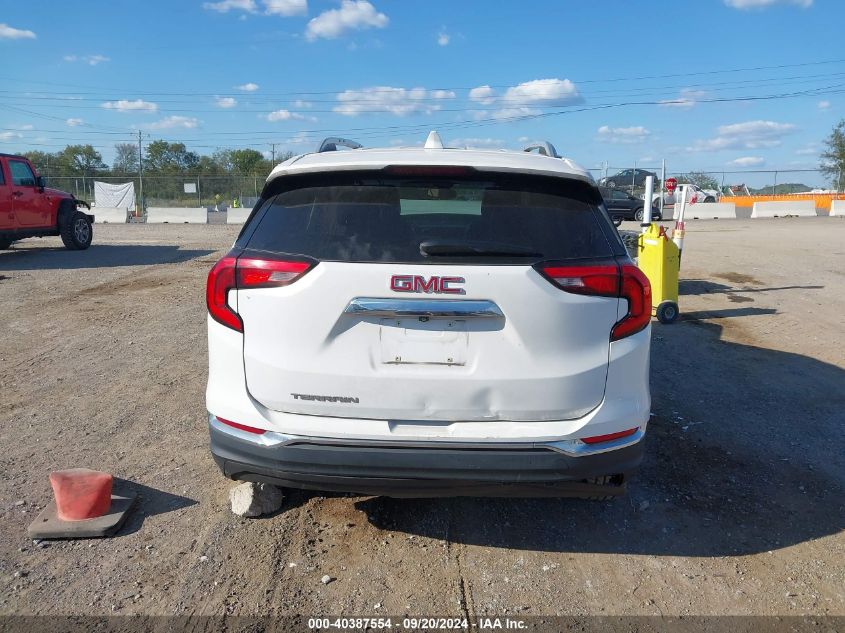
704, 286
97, 256
744, 455
150, 503
724, 313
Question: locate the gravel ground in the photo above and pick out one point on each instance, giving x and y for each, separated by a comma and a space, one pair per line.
738, 508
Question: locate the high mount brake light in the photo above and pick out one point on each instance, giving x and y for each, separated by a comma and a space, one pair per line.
608, 280
429, 170
246, 272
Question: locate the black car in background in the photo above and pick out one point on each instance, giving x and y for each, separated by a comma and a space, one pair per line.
628, 178
623, 206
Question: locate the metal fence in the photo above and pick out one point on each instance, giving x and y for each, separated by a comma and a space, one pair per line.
763, 181
170, 191
226, 189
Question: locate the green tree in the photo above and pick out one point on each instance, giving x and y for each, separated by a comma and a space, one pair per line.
80, 160
169, 158
248, 162
44, 161
833, 156
125, 159
705, 181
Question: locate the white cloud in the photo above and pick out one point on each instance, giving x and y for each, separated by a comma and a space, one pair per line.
748, 135
10, 136
170, 122
443, 38
824, 104
482, 143
91, 60
686, 99
624, 135
248, 87
808, 150
397, 101
352, 15
762, 4
74, 122
299, 103
523, 99
747, 161
9, 33
483, 94
287, 115
124, 105
286, 7
226, 102
224, 6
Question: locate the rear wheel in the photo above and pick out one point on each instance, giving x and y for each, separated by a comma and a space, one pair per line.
638, 215
77, 232
611, 184
667, 312
617, 220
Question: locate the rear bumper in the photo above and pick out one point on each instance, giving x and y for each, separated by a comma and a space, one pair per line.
424, 469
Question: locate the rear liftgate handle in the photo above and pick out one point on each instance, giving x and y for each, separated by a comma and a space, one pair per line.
423, 308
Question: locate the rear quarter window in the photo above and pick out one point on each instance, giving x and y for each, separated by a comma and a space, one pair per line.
375, 218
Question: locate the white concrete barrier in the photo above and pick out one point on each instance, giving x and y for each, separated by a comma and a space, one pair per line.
837, 207
110, 215
237, 216
803, 208
176, 215
711, 211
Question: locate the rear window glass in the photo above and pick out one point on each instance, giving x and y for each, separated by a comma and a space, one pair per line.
388, 219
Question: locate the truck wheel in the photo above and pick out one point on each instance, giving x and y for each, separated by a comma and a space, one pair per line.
4, 244
77, 232
667, 312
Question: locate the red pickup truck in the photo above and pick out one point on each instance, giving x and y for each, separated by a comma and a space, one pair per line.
29, 209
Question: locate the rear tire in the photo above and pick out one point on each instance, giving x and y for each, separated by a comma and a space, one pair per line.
611, 184
638, 215
77, 232
667, 312
617, 221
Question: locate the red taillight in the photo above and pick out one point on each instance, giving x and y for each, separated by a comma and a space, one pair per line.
585, 280
242, 427
245, 272
221, 279
598, 439
637, 290
608, 280
268, 273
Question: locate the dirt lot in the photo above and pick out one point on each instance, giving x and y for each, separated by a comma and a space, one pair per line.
739, 507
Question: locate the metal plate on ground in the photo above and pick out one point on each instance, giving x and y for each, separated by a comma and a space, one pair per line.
48, 525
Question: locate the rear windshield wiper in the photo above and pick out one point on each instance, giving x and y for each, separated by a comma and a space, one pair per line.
471, 248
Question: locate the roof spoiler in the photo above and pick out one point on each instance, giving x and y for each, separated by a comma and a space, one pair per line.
543, 147
330, 144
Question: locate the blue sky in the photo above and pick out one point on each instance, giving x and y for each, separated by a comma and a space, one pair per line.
248, 73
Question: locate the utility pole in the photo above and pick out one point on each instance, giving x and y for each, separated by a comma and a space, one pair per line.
140, 172
273, 153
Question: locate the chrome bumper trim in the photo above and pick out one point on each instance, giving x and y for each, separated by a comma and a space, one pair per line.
364, 306
571, 447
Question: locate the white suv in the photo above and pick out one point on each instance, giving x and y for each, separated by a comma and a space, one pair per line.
429, 322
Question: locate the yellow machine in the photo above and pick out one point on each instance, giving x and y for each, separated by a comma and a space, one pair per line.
660, 260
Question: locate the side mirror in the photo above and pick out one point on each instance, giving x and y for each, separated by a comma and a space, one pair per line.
40, 182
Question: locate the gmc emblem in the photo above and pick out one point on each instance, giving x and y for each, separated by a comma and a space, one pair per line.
432, 285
